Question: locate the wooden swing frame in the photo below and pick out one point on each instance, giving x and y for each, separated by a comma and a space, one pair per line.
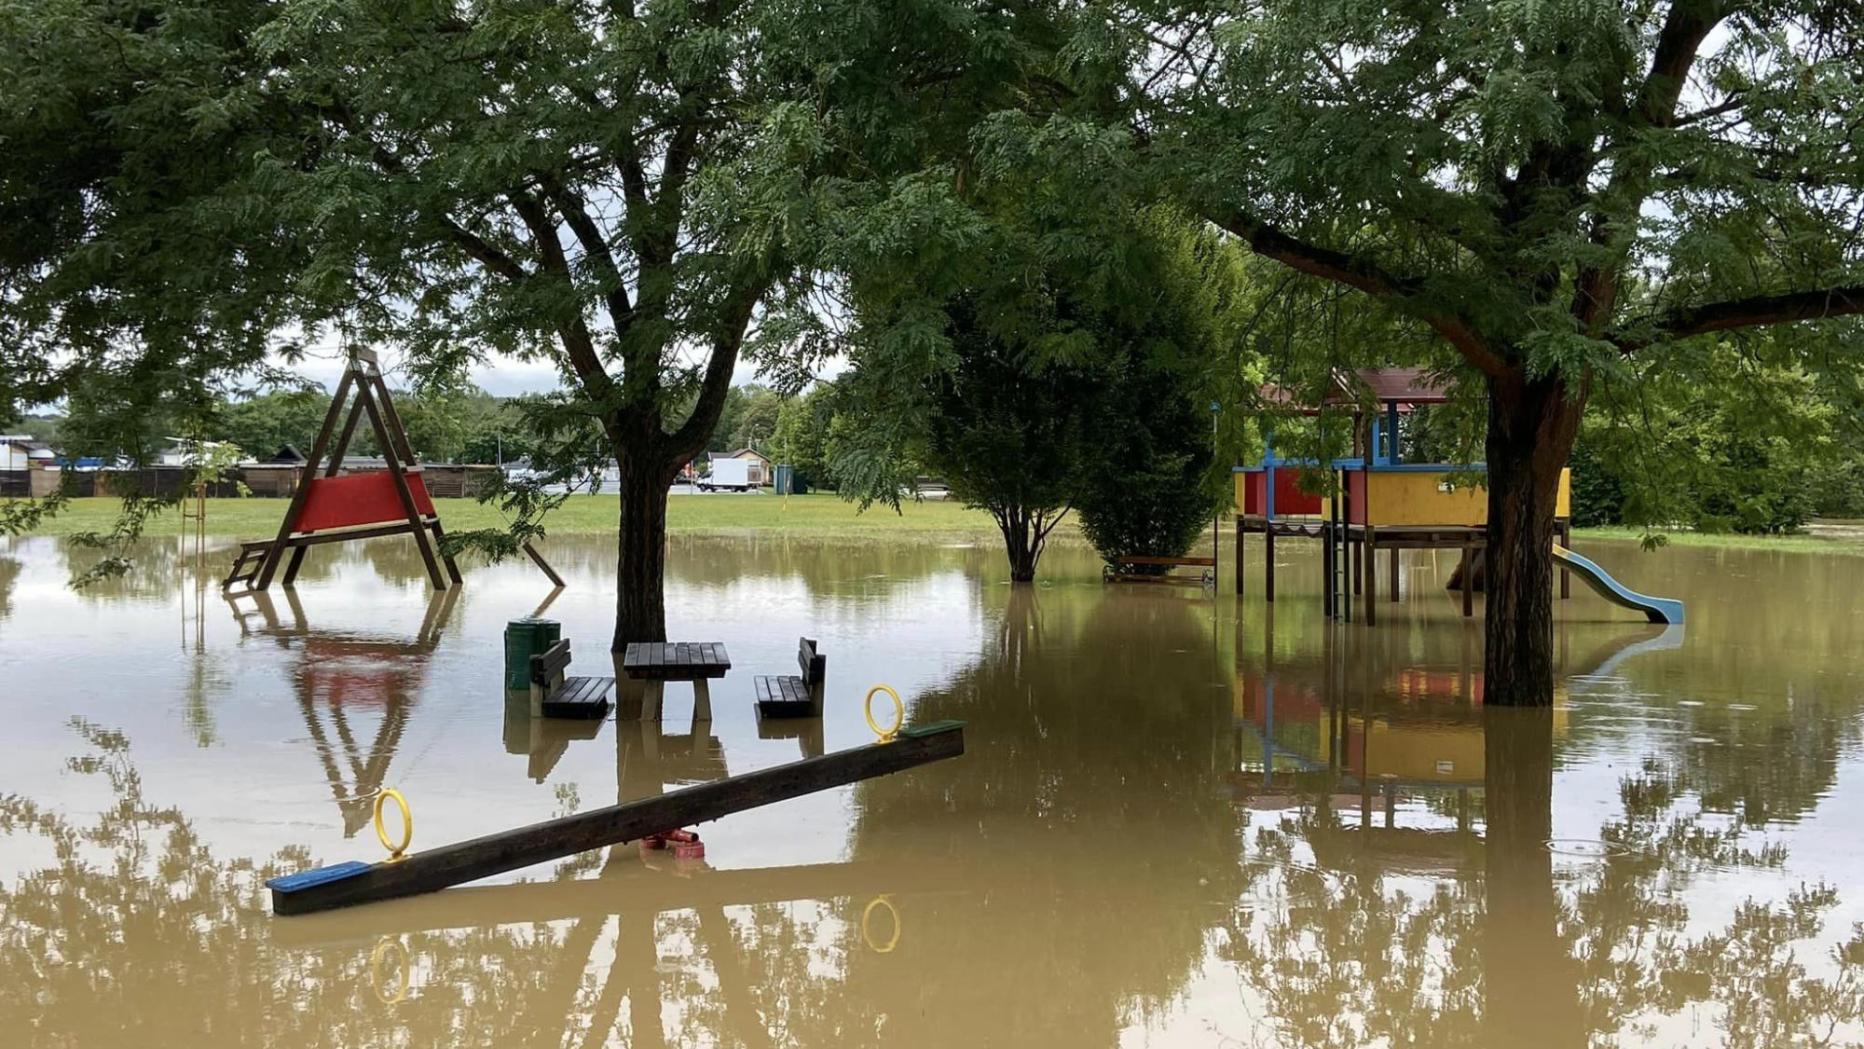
339, 519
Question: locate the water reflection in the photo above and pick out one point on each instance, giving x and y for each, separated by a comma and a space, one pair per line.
1382, 766
1179, 821
344, 679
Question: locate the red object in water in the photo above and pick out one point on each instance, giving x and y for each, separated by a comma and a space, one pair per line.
358, 499
654, 841
689, 850
679, 837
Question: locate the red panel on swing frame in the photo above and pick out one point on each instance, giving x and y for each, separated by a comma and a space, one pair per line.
358, 499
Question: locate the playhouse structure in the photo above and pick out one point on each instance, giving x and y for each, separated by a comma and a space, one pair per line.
1384, 502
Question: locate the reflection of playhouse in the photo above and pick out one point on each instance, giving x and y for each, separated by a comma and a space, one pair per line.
1384, 503
1333, 735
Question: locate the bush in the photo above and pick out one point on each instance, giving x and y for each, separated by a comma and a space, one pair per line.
1150, 489
1598, 491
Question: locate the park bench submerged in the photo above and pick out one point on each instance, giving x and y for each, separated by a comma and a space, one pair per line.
554, 695
1158, 569
794, 695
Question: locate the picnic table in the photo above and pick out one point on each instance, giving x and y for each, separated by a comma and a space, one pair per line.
654, 663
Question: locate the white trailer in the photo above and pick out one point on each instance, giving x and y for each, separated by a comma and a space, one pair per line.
728, 475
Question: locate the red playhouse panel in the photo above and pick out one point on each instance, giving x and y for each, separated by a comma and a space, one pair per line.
358, 499
1355, 497
1290, 500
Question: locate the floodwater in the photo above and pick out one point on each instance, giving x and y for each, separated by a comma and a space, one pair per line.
1180, 820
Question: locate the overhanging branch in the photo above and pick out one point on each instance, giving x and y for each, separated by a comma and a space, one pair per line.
1757, 311
1361, 274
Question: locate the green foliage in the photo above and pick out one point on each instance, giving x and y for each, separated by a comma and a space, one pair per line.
1735, 433
758, 422
801, 438
264, 424
1598, 492
1149, 487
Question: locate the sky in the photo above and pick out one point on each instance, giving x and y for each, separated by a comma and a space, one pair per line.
502, 376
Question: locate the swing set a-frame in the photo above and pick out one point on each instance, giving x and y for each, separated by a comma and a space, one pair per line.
331, 508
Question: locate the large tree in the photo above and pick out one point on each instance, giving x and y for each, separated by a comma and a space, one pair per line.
1551, 188
634, 191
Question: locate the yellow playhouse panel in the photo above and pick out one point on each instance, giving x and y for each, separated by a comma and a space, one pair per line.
1433, 497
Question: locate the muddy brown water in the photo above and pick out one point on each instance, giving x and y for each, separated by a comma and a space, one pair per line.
1180, 821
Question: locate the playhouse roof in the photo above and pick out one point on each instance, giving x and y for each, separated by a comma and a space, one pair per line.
1403, 387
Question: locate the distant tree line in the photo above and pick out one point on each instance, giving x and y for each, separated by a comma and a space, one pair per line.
464, 424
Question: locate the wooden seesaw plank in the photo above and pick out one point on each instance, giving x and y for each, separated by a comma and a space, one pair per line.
345, 885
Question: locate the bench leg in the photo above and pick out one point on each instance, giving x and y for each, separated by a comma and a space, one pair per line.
650, 700
702, 700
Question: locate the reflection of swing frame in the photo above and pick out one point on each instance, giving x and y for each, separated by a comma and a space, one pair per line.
339, 673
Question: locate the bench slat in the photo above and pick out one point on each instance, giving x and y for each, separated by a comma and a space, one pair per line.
784, 697
579, 698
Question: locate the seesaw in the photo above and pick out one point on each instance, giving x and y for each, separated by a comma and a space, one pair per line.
350, 884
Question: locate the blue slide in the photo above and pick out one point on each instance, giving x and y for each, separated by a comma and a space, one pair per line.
1656, 609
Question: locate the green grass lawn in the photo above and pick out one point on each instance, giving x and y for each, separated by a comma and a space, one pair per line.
825, 516
817, 515
1823, 541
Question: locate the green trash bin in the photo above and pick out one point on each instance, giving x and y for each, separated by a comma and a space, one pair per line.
525, 638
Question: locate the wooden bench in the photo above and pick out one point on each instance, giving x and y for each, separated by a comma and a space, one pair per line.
795, 696
555, 696
1112, 574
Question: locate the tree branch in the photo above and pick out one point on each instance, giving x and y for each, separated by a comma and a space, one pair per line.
1688, 24
1355, 272
482, 250
1754, 312
689, 440
578, 343
595, 245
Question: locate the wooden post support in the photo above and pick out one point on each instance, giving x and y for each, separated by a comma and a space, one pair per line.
1468, 570
538, 559
348, 884
1370, 566
1326, 570
1393, 556
1239, 554
1268, 563
423, 542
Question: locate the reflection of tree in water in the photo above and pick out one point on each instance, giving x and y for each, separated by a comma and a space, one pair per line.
9, 575
1090, 774
137, 935
1565, 953
822, 565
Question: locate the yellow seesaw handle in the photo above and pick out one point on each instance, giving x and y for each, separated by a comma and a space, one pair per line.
886, 735
407, 823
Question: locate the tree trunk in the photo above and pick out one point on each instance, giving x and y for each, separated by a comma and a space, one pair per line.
1020, 543
1531, 429
640, 604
